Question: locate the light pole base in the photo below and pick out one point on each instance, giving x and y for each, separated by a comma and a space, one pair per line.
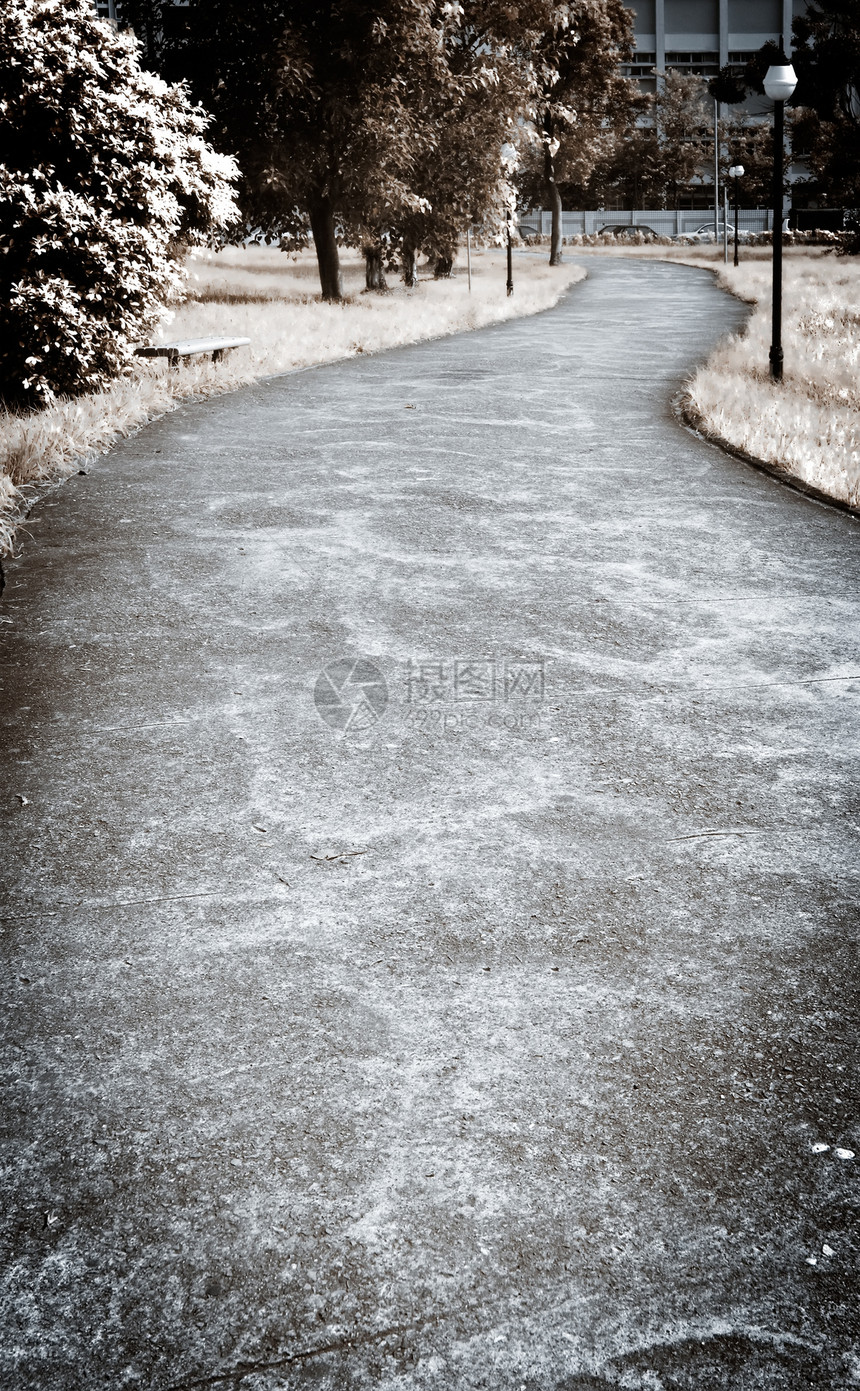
776, 360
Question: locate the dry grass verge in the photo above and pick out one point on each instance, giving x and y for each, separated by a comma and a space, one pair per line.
272, 299
809, 426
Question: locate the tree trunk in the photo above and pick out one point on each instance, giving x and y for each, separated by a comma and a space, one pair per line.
555, 256
444, 265
325, 245
410, 266
374, 274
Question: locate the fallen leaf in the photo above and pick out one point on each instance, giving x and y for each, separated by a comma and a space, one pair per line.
844, 1154
820, 1148
828, 1250
261, 829
25, 801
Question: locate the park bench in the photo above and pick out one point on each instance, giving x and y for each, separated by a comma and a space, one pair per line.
193, 347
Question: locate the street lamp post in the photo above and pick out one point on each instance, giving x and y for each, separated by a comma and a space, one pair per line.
716, 170
510, 284
510, 160
779, 84
736, 172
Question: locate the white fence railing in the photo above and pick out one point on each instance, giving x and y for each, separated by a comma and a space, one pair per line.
665, 221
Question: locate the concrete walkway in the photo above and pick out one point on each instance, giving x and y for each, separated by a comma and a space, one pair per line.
498, 1041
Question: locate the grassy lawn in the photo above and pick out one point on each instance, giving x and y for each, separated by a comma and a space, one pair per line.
274, 300
809, 426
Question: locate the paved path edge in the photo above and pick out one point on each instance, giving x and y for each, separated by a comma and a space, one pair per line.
690, 418
40, 488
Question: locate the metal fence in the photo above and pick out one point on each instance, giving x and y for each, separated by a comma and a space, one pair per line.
666, 222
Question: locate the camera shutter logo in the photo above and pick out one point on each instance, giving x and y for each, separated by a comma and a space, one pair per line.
350, 695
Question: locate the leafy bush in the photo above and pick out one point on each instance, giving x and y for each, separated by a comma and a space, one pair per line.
850, 238
106, 179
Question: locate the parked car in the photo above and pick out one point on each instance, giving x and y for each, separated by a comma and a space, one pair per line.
705, 233
625, 230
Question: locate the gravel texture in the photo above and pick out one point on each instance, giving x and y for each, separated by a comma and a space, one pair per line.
504, 1040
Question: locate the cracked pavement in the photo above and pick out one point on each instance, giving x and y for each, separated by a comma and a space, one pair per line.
508, 1039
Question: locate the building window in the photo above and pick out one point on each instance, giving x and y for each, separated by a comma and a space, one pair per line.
703, 64
642, 66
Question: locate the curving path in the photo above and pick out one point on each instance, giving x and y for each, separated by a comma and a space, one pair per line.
490, 1044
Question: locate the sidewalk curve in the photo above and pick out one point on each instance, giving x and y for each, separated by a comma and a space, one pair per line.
505, 1039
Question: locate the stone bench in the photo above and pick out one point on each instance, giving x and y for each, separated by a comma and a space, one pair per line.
193, 347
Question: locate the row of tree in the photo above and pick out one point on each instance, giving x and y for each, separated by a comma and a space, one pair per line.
386, 124
664, 150
659, 145
390, 124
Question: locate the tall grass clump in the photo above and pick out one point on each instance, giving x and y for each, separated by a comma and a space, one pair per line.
809, 424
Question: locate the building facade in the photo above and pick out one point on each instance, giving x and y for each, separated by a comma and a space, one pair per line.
702, 36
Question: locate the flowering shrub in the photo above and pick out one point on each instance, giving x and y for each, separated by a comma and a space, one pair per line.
106, 178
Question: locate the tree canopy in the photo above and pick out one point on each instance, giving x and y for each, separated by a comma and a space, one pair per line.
657, 150
827, 59
382, 124
581, 104
336, 111
106, 177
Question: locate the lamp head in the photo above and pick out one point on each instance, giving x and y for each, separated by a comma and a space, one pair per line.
780, 82
736, 171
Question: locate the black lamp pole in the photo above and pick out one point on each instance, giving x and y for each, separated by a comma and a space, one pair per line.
776, 355
779, 84
510, 285
736, 172
509, 165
